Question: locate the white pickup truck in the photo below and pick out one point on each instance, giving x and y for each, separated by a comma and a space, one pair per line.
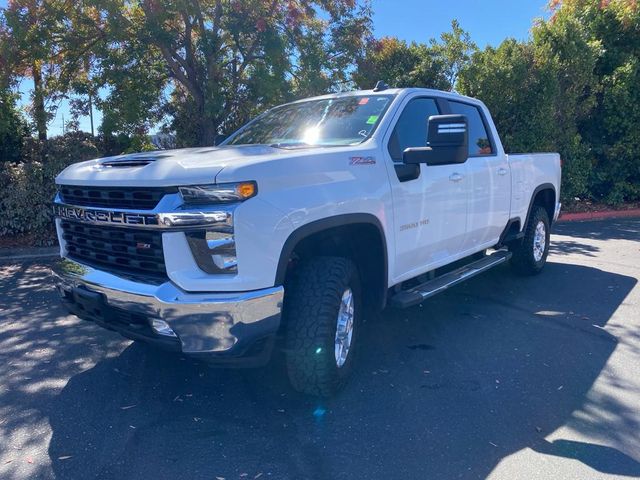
287, 230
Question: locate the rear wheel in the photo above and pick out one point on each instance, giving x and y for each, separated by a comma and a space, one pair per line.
530, 254
322, 322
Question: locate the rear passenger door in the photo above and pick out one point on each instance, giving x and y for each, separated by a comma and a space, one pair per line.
488, 181
429, 202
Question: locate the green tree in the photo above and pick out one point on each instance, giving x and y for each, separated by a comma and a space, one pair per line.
541, 93
13, 128
51, 42
400, 65
213, 61
228, 60
433, 65
25, 44
611, 128
133, 79
520, 91
454, 50
567, 47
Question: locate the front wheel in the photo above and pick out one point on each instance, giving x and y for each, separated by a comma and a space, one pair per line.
322, 324
530, 254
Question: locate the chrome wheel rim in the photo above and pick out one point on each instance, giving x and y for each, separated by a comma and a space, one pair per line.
344, 328
539, 241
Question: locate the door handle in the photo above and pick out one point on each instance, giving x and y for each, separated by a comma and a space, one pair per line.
502, 171
455, 177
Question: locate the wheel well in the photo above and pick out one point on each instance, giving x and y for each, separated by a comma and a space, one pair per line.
546, 198
510, 233
361, 242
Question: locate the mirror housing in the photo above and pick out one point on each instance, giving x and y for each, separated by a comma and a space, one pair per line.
447, 142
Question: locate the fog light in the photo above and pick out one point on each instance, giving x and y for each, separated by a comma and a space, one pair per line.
162, 328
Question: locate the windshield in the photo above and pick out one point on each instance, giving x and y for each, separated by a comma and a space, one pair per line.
327, 122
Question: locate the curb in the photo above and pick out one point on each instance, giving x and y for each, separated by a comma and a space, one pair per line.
602, 215
19, 254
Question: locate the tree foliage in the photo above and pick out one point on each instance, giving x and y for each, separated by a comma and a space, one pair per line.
433, 65
454, 51
540, 92
218, 62
520, 91
611, 129
13, 128
26, 47
400, 65
229, 59
572, 88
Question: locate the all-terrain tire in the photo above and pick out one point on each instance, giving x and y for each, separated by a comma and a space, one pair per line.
529, 256
312, 302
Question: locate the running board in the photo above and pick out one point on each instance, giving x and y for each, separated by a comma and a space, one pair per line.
416, 295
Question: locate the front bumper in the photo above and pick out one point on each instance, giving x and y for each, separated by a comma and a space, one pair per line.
224, 328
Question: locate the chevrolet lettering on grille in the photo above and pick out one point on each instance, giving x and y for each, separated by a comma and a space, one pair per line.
103, 216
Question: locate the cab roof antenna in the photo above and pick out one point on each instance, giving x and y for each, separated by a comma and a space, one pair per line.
380, 86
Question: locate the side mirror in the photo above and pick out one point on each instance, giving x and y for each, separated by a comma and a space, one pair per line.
447, 142
219, 138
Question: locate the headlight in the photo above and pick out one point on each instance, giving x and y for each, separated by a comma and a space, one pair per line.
220, 193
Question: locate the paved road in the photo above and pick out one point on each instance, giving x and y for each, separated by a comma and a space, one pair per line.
503, 377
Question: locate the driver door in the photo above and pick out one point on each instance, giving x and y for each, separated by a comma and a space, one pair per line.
429, 202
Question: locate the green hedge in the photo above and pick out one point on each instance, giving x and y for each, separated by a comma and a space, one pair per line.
27, 188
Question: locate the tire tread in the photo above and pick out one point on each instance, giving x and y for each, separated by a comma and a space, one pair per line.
522, 260
311, 306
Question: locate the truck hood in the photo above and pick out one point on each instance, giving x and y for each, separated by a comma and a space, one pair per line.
162, 168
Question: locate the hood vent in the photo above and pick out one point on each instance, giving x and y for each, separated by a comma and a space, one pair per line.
127, 163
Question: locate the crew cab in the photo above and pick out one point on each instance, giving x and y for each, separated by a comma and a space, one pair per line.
286, 231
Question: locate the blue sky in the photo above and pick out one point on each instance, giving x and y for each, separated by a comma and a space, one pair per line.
488, 21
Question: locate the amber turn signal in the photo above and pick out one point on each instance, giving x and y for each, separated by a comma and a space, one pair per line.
246, 189
218, 193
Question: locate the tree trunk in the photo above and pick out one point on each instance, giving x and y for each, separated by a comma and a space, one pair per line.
207, 131
91, 113
39, 113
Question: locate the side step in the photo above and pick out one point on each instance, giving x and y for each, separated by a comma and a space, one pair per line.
418, 294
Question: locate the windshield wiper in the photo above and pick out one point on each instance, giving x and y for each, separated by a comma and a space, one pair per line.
286, 145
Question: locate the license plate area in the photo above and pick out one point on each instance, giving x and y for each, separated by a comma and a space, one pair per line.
88, 301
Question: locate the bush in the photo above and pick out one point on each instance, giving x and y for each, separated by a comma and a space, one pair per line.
528, 103
13, 129
576, 170
616, 135
27, 189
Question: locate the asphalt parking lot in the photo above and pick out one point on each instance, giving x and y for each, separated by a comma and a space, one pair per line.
502, 377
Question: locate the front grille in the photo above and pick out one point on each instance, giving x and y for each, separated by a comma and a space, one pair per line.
125, 251
136, 198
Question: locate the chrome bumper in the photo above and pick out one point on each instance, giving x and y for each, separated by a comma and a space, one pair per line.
205, 324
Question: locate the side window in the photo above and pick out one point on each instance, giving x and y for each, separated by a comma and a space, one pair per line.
479, 143
411, 128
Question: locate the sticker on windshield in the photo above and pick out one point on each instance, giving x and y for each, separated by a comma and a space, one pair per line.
372, 119
363, 101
